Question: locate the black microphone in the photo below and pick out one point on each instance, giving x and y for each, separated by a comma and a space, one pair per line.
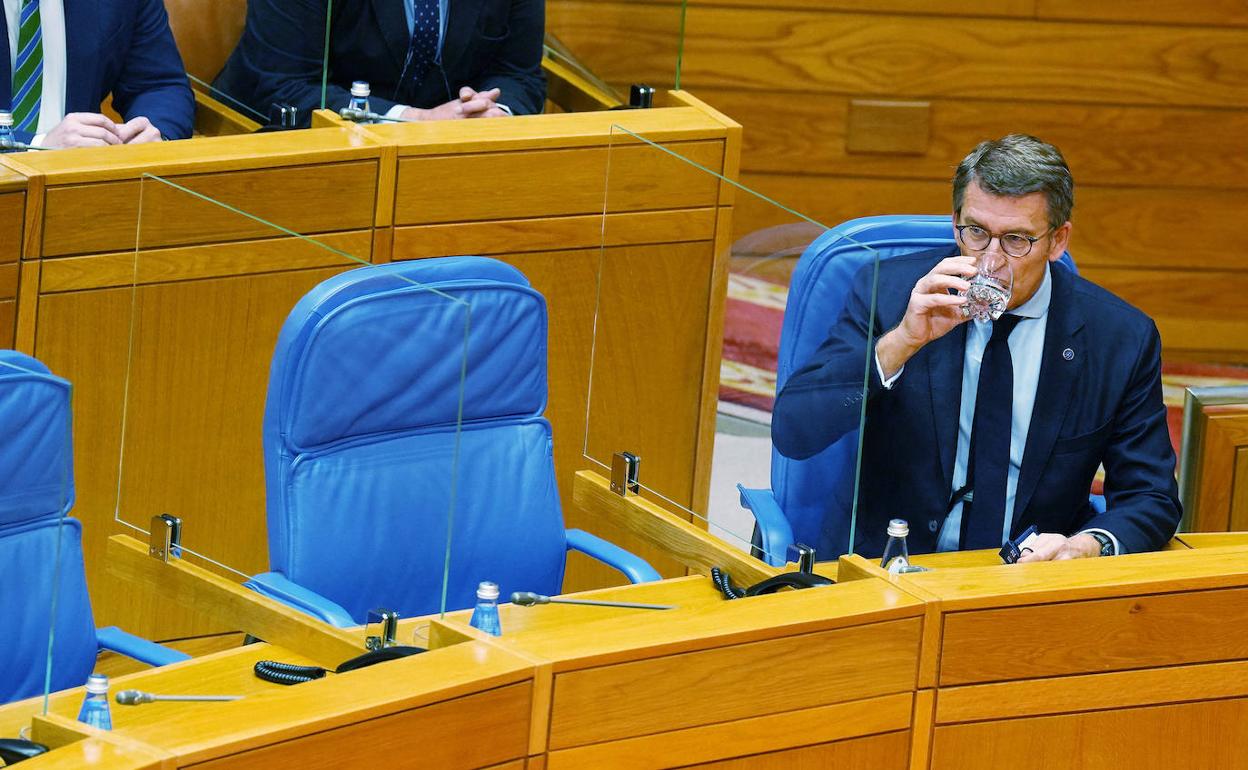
528, 599
138, 697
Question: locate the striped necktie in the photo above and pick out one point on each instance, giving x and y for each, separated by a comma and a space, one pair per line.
28, 70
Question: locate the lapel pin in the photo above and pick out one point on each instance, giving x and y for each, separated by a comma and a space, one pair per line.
1068, 354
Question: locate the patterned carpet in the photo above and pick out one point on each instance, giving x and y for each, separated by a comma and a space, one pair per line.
755, 313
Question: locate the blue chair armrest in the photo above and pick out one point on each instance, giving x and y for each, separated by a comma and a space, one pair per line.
151, 653
277, 587
634, 567
773, 527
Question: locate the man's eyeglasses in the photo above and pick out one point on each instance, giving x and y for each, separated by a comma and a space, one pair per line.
977, 238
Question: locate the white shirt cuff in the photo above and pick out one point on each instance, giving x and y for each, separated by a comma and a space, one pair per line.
504, 108
888, 382
1117, 546
37, 141
396, 111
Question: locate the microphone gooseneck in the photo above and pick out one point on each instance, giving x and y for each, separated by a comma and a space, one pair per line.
529, 598
138, 697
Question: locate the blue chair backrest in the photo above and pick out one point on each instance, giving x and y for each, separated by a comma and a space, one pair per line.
37, 536
363, 461
816, 494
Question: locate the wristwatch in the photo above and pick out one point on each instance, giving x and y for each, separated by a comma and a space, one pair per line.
1107, 543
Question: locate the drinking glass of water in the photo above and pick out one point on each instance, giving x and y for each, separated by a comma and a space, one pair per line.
990, 290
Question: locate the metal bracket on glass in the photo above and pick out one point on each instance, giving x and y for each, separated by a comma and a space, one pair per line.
165, 538
641, 96
388, 637
624, 473
804, 555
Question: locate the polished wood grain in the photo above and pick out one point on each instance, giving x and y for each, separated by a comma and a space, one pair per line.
624, 176
217, 118
101, 752
885, 751
206, 33
687, 542
179, 582
1105, 144
725, 740
1019, 8
512, 236
8, 323
1092, 692
1212, 539
1208, 735
205, 155
799, 671
1178, 12
923, 56
193, 405
529, 132
12, 215
1222, 485
216, 260
8, 281
151, 213
456, 724
1010, 585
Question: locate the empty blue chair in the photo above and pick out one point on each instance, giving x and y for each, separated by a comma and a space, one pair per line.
365, 469
811, 500
41, 546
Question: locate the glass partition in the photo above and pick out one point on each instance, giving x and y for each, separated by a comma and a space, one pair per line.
40, 547
703, 423
296, 408
622, 43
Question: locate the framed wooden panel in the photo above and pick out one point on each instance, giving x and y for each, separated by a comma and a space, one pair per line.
1213, 472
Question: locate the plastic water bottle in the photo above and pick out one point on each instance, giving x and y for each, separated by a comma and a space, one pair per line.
359, 97
95, 706
7, 138
485, 616
896, 555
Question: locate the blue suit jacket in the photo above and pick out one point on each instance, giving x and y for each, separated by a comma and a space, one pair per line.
488, 43
1100, 402
122, 47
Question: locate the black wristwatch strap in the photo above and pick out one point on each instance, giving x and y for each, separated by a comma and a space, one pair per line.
1107, 543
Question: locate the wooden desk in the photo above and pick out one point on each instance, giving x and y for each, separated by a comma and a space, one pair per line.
1084, 664
816, 676
209, 289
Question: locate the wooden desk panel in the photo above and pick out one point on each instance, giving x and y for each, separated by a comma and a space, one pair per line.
1203, 736
733, 682
1142, 631
507, 185
306, 199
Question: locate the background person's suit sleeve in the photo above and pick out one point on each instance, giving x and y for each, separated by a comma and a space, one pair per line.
1141, 496
516, 69
822, 401
152, 82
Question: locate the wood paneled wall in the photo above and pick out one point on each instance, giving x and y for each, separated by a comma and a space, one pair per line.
858, 107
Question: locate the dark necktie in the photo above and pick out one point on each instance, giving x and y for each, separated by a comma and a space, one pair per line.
424, 49
983, 519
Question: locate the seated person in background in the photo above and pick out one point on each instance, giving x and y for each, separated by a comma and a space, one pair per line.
66, 56
423, 59
974, 431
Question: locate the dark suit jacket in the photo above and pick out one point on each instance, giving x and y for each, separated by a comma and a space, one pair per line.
1098, 400
122, 47
488, 43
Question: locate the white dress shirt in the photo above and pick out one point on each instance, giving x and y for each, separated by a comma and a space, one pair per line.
1026, 348
52, 24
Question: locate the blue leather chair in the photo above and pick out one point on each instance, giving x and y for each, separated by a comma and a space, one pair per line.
810, 501
37, 535
360, 444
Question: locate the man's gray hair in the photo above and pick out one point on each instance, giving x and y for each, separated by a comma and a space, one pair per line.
1017, 165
